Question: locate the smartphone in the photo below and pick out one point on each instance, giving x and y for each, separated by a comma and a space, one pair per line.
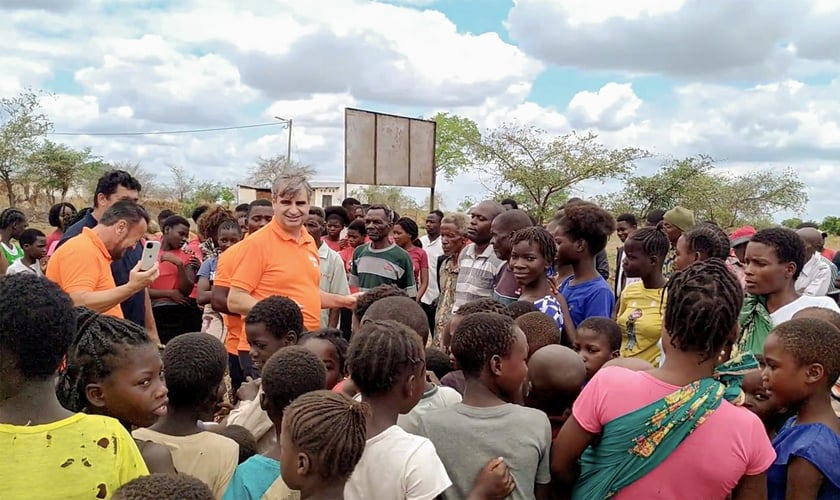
151, 250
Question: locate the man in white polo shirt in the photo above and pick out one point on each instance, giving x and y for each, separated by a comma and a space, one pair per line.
433, 246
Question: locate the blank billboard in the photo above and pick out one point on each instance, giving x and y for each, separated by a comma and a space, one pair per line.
387, 150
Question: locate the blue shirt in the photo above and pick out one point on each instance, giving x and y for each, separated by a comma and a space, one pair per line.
134, 307
816, 443
208, 268
588, 299
254, 478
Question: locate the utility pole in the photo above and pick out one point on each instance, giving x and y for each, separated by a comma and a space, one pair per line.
288, 123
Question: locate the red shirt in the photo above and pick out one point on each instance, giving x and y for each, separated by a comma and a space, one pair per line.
168, 279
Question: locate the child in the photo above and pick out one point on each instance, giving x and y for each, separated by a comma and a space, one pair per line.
331, 348
48, 451
368, 298
356, 237
12, 224
225, 234
323, 439
409, 313
641, 304
556, 374
703, 241
114, 369
598, 341
406, 236
540, 330
532, 254
803, 362
832, 317
336, 219
272, 324
580, 234
667, 431
491, 350
288, 374
455, 379
160, 486
438, 362
762, 402
520, 307
34, 245
195, 365
387, 363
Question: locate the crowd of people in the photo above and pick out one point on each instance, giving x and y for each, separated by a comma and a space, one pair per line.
283, 351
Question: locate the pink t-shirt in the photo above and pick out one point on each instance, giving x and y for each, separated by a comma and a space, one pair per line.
731, 443
420, 260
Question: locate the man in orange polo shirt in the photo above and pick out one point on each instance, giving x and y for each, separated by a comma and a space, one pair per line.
260, 213
282, 259
82, 266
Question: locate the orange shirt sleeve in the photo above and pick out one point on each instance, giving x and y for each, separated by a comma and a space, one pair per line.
224, 267
71, 268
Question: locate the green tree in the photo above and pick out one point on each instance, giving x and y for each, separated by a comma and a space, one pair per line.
527, 161
394, 197
726, 199
831, 225
58, 167
183, 183
792, 223
465, 205
262, 174
455, 140
22, 125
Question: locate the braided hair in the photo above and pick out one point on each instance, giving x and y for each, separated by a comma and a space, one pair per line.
709, 240
334, 337
11, 216
330, 428
409, 226
539, 236
379, 354
94, 354
654, 242
702, 309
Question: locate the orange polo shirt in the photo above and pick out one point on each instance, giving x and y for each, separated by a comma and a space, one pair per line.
274, 263
83, 264
233, 322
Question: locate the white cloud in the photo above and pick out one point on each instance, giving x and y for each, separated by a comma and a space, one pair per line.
612, 107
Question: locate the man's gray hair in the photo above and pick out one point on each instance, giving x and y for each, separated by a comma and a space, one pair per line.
288, 185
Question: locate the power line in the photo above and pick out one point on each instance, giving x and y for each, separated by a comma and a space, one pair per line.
188, 131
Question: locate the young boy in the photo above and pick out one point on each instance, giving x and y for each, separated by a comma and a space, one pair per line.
540, 330
34, 245
556, 374
492, 351
195, 365
387, 363
409, 313
49, 452
159, 486
581, 233
598, 340
273, 323
289, 373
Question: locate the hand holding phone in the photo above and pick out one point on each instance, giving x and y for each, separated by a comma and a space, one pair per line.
151, 251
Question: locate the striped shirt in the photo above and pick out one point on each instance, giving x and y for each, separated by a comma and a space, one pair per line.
475, 279
388, 266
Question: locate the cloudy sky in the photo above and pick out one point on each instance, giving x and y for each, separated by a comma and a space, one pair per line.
754, 83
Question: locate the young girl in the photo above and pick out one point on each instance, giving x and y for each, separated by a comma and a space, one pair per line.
774, 260
331, 348
667, 431
225, 233
323, 437
12, 225
703, 241
405, 233
803, 362
640, 305
531, 257
113, 369
598, 340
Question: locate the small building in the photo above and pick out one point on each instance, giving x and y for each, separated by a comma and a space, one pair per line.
326, 193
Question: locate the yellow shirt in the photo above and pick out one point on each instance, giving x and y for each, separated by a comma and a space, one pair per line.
640, 312
79, 457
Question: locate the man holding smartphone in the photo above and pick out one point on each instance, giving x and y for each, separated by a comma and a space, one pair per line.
82, 266
112, 187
